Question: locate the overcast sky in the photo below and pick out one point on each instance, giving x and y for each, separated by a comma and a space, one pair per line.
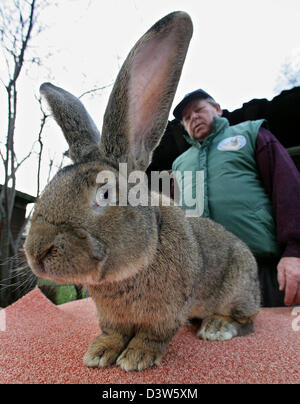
236, 53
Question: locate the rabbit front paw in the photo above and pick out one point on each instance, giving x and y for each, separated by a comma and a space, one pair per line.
218, 328
104, 350
138, 359
141, 354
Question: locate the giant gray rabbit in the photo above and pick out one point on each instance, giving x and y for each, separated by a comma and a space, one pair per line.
148, 268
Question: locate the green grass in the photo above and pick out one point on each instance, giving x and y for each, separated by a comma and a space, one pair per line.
64, 293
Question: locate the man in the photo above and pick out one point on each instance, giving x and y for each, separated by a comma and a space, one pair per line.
250, 185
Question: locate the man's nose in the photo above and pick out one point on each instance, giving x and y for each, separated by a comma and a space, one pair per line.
194, 114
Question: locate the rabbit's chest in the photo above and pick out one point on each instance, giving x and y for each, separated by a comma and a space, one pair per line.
133, 303
120, 304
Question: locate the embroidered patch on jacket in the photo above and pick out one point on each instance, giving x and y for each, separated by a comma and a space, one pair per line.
232, 143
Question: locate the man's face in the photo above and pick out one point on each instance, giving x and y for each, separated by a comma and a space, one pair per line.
198, 118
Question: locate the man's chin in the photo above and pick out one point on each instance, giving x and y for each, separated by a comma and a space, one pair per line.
200, 136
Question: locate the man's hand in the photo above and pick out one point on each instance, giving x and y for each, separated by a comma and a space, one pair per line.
289, 279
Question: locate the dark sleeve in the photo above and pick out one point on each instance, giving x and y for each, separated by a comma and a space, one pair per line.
281, 180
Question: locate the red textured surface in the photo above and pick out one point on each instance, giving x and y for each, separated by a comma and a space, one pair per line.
44, 343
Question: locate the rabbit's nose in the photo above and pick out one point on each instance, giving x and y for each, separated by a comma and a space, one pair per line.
43, 255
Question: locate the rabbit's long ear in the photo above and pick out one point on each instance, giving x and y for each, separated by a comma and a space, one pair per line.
78, 127
139, 105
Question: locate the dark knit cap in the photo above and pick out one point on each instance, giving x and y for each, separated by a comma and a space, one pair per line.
194, 95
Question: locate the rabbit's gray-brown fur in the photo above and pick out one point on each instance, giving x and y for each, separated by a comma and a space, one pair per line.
148, 268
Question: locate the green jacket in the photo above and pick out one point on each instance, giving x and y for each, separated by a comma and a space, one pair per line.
218, 178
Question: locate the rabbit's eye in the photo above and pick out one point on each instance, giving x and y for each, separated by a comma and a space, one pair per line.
102, 195
105, 195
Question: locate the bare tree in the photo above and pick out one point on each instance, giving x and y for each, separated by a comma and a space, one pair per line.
18, 24
41, 145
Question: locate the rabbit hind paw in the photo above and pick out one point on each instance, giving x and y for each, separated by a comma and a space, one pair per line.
218, 328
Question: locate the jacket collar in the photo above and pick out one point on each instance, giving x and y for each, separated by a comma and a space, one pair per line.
219, 126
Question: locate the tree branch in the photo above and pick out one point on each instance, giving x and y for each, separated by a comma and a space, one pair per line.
94, 90
25, 42
42, 125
